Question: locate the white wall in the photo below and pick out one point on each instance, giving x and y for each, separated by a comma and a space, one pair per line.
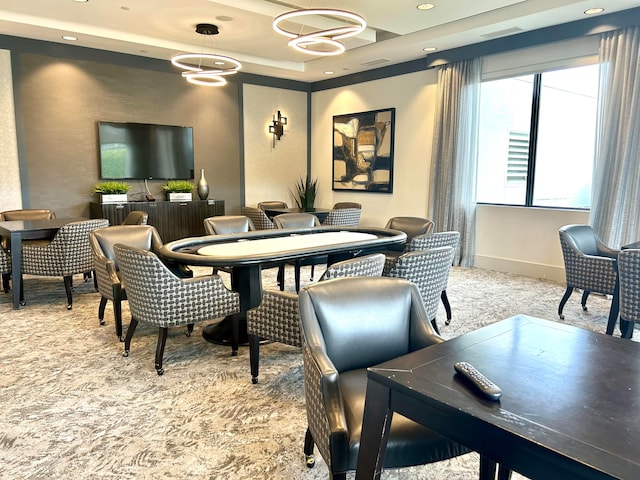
10, 187
510, 239
412, 96
271, 172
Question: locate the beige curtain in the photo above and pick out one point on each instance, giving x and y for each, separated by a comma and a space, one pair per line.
452, 202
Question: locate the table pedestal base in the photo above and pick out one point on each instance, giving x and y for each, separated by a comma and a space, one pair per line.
222, 333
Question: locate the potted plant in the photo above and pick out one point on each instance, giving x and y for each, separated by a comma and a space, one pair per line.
112, 191
305, 193
179, 190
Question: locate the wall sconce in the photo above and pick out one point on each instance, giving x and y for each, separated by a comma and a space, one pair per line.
277, 127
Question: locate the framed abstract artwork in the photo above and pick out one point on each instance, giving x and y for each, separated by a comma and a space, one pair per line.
363, 151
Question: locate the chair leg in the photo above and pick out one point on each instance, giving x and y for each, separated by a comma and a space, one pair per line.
565, 297
162, 340
189, 329
127, 340
95, 281
297, 276
117, 313
435, 325
626, 327
313, 268
281, 277
254, 357
101, 307
583, 302
5, 282
68, 287
308, 449
447, 307
22, 302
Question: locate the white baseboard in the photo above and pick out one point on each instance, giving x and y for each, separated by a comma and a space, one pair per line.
528, 269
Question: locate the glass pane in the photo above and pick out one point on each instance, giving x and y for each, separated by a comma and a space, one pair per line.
566, 138
505, 117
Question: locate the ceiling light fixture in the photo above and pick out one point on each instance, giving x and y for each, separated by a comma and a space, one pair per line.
430, 49
71, 38
322, 42
206, 69
425, 6
593, 11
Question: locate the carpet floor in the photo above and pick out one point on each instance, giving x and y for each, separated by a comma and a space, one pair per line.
72, 407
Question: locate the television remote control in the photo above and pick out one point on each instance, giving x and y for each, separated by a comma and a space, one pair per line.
485, 386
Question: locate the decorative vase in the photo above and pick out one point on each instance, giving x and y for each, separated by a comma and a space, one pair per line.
203, 186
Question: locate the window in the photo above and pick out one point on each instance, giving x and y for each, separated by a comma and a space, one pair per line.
537, 138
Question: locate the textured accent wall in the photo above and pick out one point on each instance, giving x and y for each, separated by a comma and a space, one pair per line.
62, 100
271, 172
10, 190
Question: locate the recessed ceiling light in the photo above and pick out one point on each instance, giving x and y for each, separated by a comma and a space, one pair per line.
593, 11
81, 1
429, 49
329, 72
224, 18
425, 6
69, 37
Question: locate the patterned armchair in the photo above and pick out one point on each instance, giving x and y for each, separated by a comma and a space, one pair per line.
629, 275
433, 240
158, 297
346, 217
349, 324
429, 270
412, 226
277, 318
107, 273
67, 254
589, 264
9, 215
258, 217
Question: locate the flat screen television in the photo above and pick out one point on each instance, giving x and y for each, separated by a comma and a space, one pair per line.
145, 151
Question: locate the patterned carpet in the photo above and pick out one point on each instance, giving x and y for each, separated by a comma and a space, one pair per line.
74, 408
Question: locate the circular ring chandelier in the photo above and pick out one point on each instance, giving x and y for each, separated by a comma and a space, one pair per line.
309, 43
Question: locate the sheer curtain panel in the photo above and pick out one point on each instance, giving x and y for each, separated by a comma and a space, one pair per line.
452, 203
616, 184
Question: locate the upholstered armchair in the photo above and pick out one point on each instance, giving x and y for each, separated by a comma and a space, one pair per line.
258, 218
411, 226
11, 215
433, 240
348, 325
159, 297
107, 273
277, 318
629, 297
67, 254
298, 220
339, 205
343, 216
272, 204
429, 271
136, 217
589, 264
225, 224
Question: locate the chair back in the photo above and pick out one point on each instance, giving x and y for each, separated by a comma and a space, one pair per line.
366, 266
258, 218
346, 217
225, 224
102, 240
272, 204
295, 220
136, 217
339, 205
429, 271
363, 321
581, 238
412, 226
27, 214
434, 240
629, 274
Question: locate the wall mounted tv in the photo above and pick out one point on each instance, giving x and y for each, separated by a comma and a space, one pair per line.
145, 151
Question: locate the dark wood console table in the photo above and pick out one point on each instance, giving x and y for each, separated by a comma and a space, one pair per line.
173, 220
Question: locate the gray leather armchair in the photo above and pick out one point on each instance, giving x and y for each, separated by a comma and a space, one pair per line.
225, 224
136, 217
349, 324
107, 273
277, 317
589, 264
272, 204
412, 226
158, 297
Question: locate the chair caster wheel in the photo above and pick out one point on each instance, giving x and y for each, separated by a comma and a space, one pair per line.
69, 307
254, 380
160, 370
310, 461
121, 338
561, 317
188, 334
234, 353
447, 322
23, 303
6, 290
102, 322
584, 308
125, 353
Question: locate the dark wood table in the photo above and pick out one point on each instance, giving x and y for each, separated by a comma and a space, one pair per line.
18, 230
320, 213
247, 253
569, 408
